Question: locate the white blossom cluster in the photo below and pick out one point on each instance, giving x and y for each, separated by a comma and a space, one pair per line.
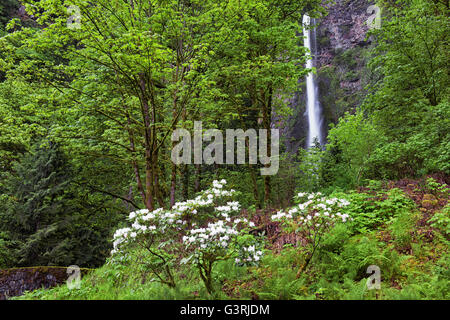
218, 238
226, 210
145, 222
316, 211
249, 254
215, 235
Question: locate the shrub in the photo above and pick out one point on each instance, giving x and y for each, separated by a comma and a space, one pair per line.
7, 255
200, 232
312, 219
437, 189
441, 220
356, 138
369, 211
402, 229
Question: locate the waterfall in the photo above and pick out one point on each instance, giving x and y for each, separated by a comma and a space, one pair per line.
313, 105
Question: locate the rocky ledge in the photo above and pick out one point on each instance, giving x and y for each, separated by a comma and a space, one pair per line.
14, 282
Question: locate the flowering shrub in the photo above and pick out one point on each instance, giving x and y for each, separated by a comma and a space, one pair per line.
251, 251
312, 217
220, 240
205, 225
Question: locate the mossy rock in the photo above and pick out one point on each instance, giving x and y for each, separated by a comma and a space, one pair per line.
429, 201
15, 281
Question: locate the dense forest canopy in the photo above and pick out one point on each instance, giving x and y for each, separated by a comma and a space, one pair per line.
91, 95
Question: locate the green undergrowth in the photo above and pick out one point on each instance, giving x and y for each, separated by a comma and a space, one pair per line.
389, 230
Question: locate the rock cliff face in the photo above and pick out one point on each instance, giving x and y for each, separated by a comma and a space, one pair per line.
342, 57
340, 60
345, 27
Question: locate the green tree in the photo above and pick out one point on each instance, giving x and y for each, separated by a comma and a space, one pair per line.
43, 215
412, 61
128, 74
355, 138
7, 8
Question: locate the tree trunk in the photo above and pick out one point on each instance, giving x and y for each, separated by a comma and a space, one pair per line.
173, 182
197, 178
157, 187
149, 143
185, 179
255, 186
267, 119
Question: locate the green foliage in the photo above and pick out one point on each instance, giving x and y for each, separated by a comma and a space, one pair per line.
402, 127
355, 257
286, 181
437, 189
355, 139
280, 276
402, 229
86, 117
338, 270
309, 169
335, 240
43, 217
412, 48
7, 257
206, 232
7, 8
424, 286
418, 153
441, 220
370, 211
312, 220
408, 102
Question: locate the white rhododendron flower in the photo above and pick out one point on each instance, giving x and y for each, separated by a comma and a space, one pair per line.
216, 238
314, 209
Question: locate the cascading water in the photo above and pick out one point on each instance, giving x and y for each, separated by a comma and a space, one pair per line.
313, 105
